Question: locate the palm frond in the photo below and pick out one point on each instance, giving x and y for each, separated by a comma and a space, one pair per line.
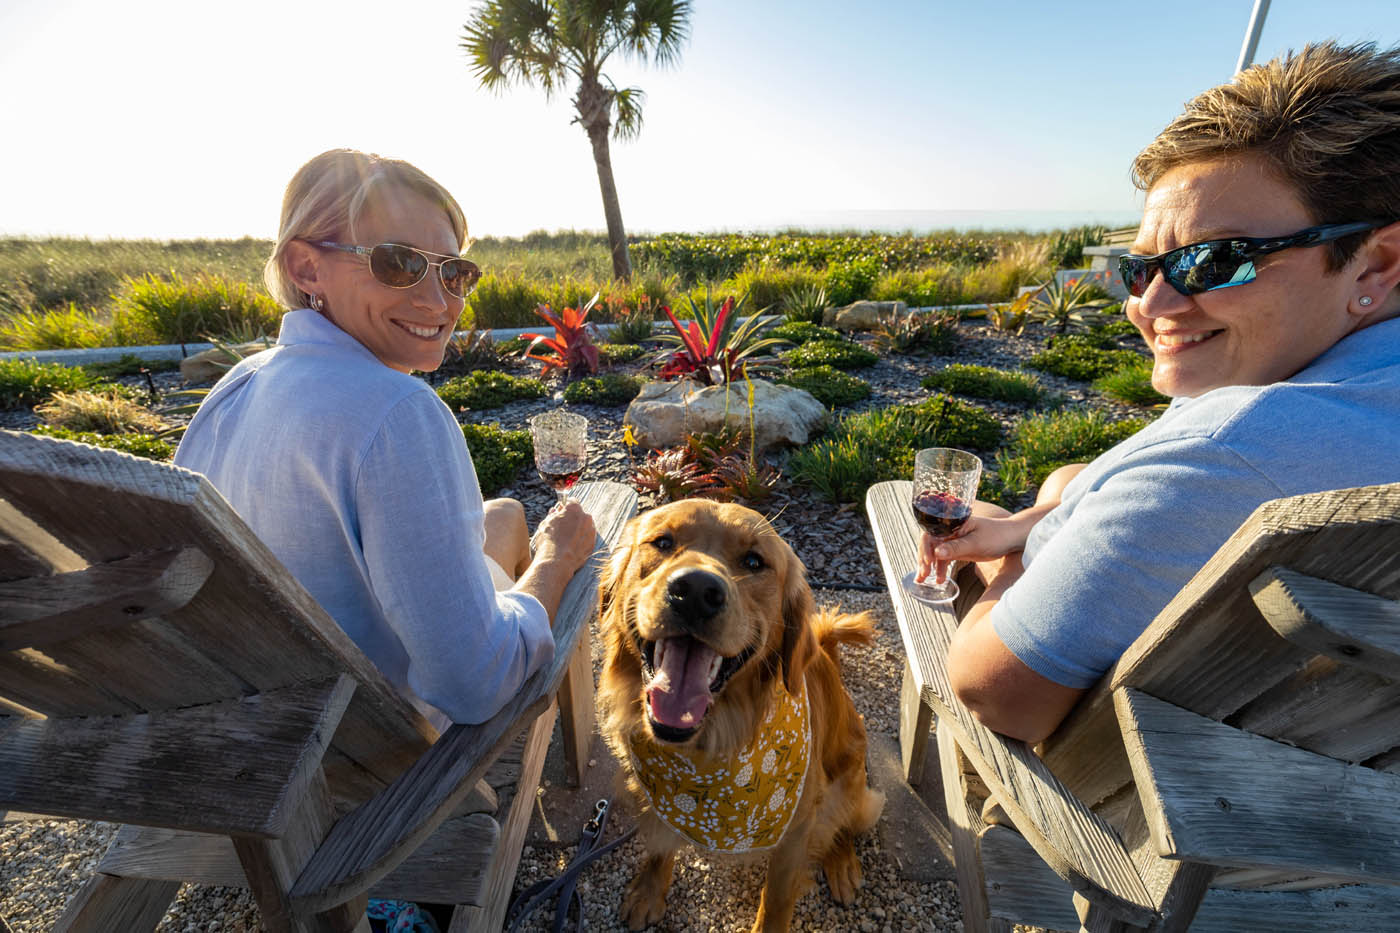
627, 105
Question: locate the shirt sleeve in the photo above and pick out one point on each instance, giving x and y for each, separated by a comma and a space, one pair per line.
1124, 551
421, 518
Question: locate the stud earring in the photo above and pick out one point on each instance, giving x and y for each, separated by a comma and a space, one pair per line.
1364, 301
318, 303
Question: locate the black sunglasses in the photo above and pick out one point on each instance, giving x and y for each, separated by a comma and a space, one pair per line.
1204, 267
399, 266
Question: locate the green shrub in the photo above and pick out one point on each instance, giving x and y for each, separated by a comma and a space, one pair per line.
800, 332
129, 364
180, 311
488, 389
851, 281
878, 445
1049, 441
1075, 357
142, 445
513, 346
25, 382
1131, 384
922, 288
924, 332
607, 389
1067, 248
805, 303
632, 327
843, 354
1118, 327
60, 329
769, 288
505, 300
610, 354
985, 382
828, 385
497, 454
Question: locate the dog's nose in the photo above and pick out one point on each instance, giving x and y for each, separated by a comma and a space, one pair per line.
695, 595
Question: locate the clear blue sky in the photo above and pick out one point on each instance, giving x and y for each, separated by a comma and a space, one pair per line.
166, 118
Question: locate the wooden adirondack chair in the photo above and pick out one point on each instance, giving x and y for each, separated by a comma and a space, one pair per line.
160, 668
1236, 770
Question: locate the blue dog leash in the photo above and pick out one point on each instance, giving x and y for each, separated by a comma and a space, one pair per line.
562, 888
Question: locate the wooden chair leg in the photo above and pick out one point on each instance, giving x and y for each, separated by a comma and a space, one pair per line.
963, 826
109, 902
576, 710
915, 721
272, 867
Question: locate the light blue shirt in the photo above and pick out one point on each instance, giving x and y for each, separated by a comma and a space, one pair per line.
357, 477
1139, 521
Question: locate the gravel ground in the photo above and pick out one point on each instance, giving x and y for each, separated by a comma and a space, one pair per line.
44, 862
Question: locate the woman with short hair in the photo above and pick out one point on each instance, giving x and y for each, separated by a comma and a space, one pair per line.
1264, 280
355, 473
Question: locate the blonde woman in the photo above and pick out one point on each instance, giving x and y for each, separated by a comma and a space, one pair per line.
355, 473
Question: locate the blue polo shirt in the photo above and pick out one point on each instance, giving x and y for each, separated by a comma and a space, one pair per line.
1139, 521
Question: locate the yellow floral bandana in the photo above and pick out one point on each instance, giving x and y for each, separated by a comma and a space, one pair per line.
740, 804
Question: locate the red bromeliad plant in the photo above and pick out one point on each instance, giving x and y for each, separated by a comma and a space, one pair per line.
571, 348
709, 349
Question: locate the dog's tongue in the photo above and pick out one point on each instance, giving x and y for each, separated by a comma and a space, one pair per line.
679, 694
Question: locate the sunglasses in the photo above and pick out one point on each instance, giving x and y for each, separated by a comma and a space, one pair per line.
1213, 264
399, 266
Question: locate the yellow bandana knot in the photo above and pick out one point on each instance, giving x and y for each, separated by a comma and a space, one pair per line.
739, 804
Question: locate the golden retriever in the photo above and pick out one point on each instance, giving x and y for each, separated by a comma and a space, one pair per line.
710, 637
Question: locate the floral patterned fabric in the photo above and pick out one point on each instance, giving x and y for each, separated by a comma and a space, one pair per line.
742, 804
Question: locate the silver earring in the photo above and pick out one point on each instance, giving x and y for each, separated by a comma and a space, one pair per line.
318, 303
1364, 301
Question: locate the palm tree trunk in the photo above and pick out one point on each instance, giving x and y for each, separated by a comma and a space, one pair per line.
593, 103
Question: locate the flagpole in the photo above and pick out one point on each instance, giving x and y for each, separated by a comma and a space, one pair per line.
1251, 38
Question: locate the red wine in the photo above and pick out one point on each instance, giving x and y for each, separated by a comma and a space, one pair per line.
560, 474
940, 513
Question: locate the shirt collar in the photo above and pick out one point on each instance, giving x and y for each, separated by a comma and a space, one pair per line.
305, 326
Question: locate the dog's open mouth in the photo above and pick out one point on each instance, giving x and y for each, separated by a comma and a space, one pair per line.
683, 676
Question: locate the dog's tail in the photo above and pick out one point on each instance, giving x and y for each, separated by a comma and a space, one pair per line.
834, 627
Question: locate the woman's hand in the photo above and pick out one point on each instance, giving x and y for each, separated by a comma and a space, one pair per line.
566, 536
981, 538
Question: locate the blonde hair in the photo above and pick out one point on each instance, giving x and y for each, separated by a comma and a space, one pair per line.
324, 201
1326, 120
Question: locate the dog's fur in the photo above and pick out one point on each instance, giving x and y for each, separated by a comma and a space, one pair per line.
769, 610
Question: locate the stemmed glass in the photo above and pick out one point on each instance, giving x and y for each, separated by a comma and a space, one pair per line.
945, 485
561, 448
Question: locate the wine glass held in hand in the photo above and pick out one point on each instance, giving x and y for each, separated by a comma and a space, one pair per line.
561, 448
945, 485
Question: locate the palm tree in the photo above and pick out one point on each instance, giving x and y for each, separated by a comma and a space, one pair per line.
554, 42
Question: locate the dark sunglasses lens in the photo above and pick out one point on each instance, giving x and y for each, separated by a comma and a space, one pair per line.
397, 266
1208, 266
459, 276
1135, 273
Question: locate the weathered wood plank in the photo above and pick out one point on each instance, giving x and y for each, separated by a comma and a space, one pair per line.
1075, 842
1324, 910
365, 845
36, 681
39, 611
232, 767
1020, 887
915, 724
576, 714
106, 903
963, 826
495, 899
1215, 794
1350, 626
1086, 750
1192, 653
30, 550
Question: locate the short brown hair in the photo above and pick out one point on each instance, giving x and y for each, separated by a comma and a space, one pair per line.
324, 201
1326, 119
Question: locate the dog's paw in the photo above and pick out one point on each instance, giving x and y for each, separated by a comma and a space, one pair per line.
842, 870
644, 902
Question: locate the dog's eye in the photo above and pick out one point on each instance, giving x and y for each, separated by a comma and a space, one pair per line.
752, 561
663, 543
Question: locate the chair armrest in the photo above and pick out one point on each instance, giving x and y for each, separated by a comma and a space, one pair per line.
370, 841
1071, 838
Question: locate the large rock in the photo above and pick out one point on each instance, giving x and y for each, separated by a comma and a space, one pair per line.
211, 364
665, 412
863, 315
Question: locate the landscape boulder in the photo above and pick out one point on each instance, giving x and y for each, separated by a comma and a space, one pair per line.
665, 412
209, 365
863, 315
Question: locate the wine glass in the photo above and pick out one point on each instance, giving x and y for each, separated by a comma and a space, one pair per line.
561, 448
945, 485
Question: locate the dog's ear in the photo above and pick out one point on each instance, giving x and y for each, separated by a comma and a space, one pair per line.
799, 644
